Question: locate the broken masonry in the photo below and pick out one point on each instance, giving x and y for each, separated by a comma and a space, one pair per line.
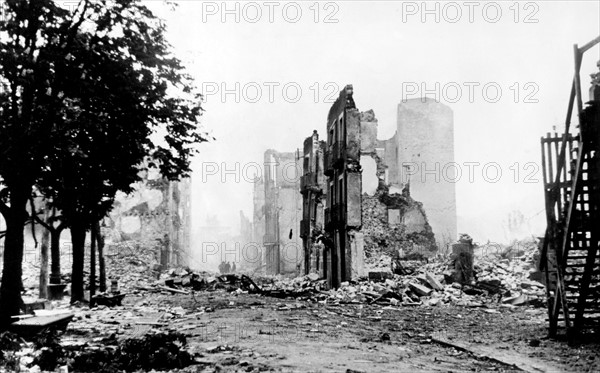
357, 197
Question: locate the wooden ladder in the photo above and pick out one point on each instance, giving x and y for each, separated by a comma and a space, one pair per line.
571, 251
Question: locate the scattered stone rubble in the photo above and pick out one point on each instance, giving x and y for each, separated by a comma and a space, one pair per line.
495, 280
501, 278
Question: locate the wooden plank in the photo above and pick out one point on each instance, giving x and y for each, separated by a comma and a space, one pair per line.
550, 164
507, 357
558, 154
173, 290
33, 325
544, 164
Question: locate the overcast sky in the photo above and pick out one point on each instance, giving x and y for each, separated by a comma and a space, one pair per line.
385, 48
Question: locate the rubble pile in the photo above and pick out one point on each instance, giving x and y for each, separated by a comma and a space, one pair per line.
515, 269
132, 264
180, 279
393, 238
495, 279
49, 352
160, 351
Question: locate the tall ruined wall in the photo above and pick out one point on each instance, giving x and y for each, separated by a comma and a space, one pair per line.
157, 213
282, 211
393, 222
425, 139
371, 209
290, 214
258, 217
388, 151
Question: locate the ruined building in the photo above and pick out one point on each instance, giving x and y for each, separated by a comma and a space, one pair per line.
421, 155
343, 218
314, 191
359, 196
157, 214
282, 213
258, 217
367, 195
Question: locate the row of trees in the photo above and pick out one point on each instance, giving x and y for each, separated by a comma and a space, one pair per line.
88, 95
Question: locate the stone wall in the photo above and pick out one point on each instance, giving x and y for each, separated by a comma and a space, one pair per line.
425, 139
157, 213
282, 212
393, 222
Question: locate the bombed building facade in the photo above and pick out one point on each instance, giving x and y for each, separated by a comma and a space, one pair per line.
314, 194
359, 196
376, 200
343, 238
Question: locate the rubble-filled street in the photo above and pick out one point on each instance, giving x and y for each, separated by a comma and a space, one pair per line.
181, 321
299, 186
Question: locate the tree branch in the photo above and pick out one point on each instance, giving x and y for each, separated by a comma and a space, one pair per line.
42, 223
33, 221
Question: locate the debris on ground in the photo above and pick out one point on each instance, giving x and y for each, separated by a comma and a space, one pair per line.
386, 304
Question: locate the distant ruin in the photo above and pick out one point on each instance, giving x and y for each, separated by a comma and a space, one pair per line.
157, 213
277, 213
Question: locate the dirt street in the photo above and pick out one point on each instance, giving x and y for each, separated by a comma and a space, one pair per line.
229, 332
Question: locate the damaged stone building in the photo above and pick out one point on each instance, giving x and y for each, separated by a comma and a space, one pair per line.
158, 214
313, 189
277, 212
359, 193
343, 218
421, 155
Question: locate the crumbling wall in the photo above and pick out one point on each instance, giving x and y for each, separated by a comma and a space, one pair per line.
258, 217
290, 213
283, 212
425, 143
393, 223
157, 214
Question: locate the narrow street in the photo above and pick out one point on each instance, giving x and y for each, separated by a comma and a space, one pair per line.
295, 327
250, 333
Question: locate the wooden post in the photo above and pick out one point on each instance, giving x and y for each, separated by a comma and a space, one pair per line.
45, 247
93, 265
100, 239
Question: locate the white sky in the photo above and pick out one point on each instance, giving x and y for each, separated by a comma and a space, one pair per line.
375, 49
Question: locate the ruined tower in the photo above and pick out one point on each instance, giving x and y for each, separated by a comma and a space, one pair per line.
425, 156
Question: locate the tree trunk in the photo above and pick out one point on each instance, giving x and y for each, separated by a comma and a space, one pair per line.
92, 265
10, 290
44, 259
101, 258
55, 254
78, 244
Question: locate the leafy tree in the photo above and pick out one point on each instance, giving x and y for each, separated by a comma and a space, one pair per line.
31, 36
101, 85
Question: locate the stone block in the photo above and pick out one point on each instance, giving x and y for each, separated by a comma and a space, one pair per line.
420, 290
379, 276
394, 217
433, 282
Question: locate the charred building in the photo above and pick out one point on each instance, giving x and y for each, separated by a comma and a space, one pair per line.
357, 197
313, 187
343, 218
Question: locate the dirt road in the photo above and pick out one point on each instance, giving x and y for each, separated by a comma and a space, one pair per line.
229, 332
